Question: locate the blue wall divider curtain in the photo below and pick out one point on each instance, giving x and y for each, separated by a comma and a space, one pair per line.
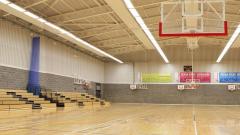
33, 85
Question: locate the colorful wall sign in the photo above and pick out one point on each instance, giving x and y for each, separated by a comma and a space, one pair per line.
229, 77
202, 77
156, 78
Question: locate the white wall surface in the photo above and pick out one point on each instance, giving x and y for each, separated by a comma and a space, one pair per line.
15, 46
157, 67
118, 73
55, 58
59, 59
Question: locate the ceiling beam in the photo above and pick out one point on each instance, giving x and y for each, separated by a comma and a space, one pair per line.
80, 14
133, 42
66, 4
87, 23
102, 33
93, 31
113, 40
120, 9
125, 50
30, 5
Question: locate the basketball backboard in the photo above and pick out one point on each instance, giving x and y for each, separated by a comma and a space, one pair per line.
193, 18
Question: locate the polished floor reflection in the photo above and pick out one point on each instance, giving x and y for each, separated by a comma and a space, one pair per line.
124, 119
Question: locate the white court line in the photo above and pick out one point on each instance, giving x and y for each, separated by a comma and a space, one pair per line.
109, 123
194, 121
195, 127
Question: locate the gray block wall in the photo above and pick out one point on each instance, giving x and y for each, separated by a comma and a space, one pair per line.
57, 82
168, 94
13, 78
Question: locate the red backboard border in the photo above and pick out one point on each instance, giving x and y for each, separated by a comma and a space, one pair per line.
161, 34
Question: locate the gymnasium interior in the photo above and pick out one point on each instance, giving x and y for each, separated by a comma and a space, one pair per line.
119, 67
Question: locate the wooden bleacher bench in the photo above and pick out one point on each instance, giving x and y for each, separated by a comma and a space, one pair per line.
5, 96
83, 98
10, 102
10, 90
17, 99
74, 98
58, 98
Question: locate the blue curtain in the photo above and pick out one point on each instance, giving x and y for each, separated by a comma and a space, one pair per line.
33, 77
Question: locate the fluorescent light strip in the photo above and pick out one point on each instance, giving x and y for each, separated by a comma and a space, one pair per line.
229, 44
42, 20
134, 12
4, 1
144, 27
63, 31
51, 25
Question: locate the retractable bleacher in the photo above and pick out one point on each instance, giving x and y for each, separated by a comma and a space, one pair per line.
59, 99
8, 102
21, 99
67, 99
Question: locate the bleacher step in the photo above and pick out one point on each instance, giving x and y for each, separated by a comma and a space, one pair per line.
36, 106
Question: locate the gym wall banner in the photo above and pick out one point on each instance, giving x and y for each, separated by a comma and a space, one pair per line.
156, 78
202, 77
229, 77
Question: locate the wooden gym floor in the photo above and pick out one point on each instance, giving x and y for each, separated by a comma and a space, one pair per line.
124, 119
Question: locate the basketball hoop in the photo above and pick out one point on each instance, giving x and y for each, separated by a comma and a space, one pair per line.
192, 84
232, 88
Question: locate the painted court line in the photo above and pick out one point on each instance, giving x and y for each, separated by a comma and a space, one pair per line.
107, 124
194, 121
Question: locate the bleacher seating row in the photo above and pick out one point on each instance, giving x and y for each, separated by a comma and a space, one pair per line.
67, 99
21, 99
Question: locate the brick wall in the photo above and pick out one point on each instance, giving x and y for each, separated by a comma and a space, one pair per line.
14, 78
168, 94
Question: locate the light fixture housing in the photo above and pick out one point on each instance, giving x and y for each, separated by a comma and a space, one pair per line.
144, 27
